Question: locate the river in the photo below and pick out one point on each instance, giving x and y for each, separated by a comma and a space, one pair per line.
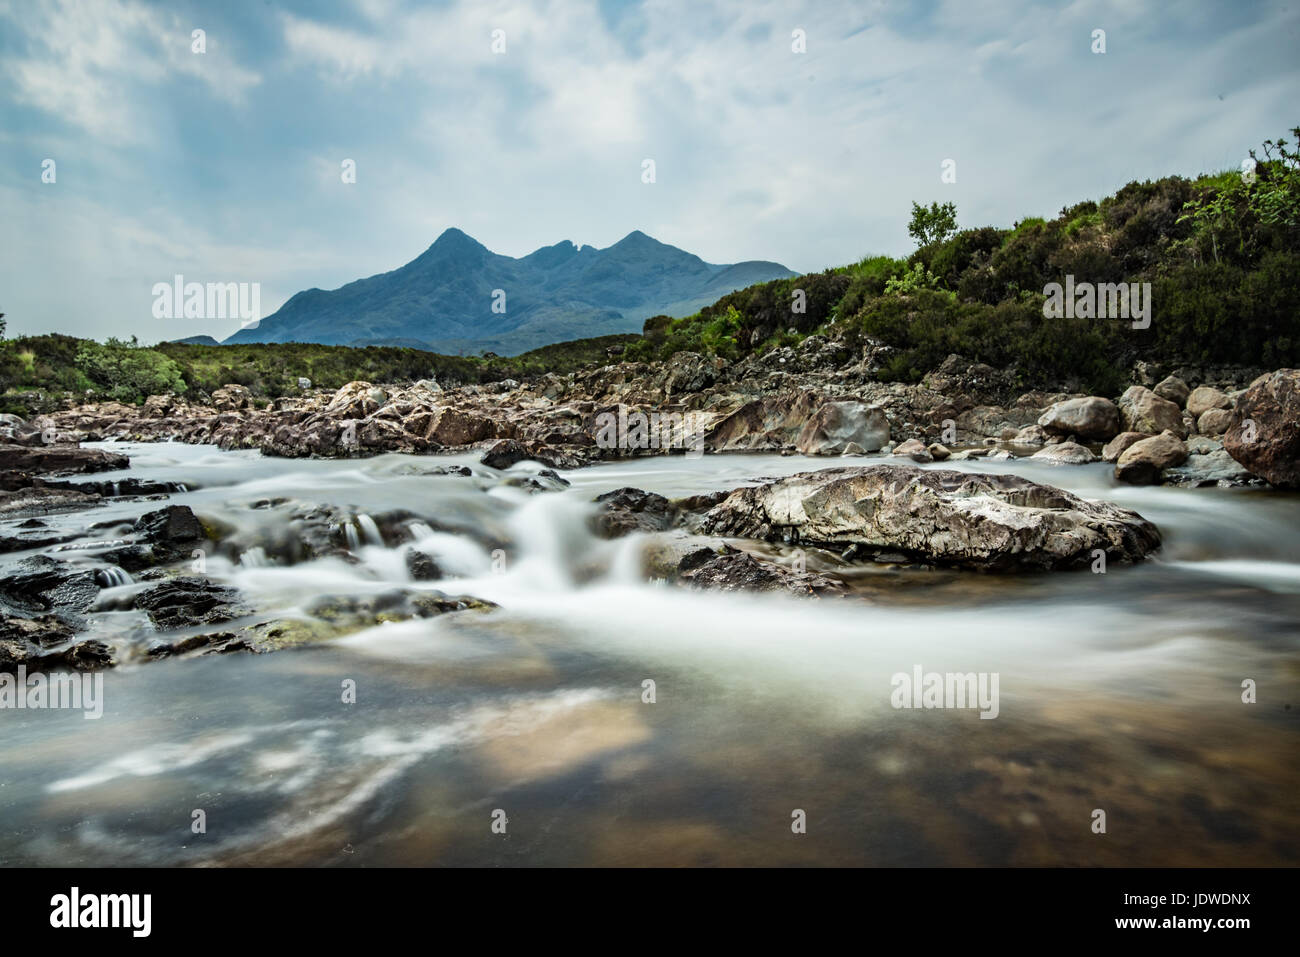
524, 736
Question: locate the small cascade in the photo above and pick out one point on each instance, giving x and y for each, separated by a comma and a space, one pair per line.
352, 536
111, 576
370, 531
117, 488
420, 530
255, 557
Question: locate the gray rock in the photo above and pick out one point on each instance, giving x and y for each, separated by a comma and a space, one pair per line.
1091, 417
836, 425
939, 516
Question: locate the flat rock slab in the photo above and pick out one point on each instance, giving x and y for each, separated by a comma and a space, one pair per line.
939, 516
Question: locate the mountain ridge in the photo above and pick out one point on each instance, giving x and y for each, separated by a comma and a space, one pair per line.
444, 298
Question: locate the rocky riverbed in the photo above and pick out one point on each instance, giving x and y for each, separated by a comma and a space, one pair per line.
502, 582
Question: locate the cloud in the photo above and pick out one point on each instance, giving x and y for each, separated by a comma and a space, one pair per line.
84, 60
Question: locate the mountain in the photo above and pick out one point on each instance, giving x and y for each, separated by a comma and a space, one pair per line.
196, 341
442, 300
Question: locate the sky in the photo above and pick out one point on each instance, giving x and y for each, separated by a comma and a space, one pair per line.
227, 165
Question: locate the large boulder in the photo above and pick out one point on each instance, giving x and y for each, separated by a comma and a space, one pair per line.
1174, 389
59, 459
1116, 446
939, 516
1214, 421
1141, 410
837, 425
1143, 462
1091, 417
231, 398
1265, 432
1205, 398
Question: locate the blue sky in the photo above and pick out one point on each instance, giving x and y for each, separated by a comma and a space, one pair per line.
225, 166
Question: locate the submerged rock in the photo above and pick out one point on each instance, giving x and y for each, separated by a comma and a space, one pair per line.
938, 515
734, 570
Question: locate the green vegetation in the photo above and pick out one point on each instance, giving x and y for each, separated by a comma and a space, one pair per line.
1221, 252
128, 372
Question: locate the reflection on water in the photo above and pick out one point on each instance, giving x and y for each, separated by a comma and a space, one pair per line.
1119, 692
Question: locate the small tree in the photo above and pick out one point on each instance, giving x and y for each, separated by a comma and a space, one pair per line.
932, 224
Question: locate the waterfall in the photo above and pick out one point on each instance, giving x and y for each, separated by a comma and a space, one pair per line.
111, 576
420, 530
255, 557
350, 533
370, 530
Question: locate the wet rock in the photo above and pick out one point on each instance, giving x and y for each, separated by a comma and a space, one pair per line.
44, 584
1265, 432
628, 510
59, 459
175, 526
353, 612
1141, 410
508, 452
1065, 453
186, 602
1091, 417
1214, 467
421, 567
914, 449
1143, 461
734, 570
939, 515
939, 452
837, 425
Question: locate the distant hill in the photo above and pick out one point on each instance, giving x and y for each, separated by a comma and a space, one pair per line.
443, 299
197, 341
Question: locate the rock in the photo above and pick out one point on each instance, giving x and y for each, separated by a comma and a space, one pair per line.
1030, 435
914, 449
1214, 421
1065, 453
59, 459
231, 398
421, 567
186, 601
304, 383
936, 515
627, 510
454, 427
174, 526
836, 425
1116, 446
1091, 417
1265, 432
1215, 467
356, 400
1205, 398
507, 452
734, 570
938, 451
1143, 461
43, 584
1141, 410
1172, 389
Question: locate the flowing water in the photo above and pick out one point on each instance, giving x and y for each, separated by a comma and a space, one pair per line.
1119, 692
